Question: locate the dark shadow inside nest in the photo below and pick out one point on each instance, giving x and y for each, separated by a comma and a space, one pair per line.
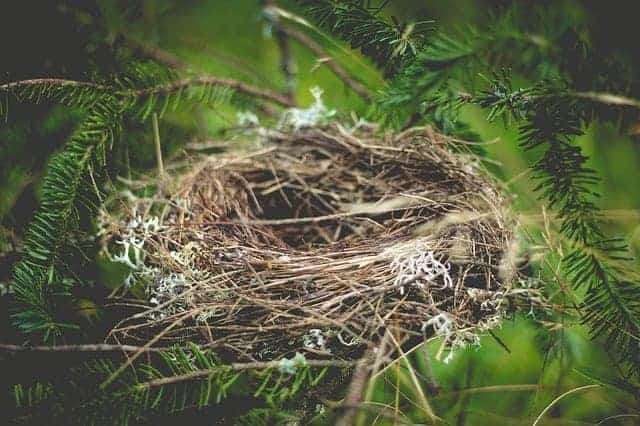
283, 206
306, 218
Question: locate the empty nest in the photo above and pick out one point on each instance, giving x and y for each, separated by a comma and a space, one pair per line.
320, 241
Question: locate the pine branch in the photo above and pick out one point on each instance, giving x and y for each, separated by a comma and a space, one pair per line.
86, 94
210, 81
450, 60
37, 282
389, 45
75, 94
552, 117
179, 379
42, 290
237, 366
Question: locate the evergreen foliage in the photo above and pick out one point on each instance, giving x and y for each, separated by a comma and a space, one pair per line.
431, 75
178, 380
388, 44
550, 118
41, 280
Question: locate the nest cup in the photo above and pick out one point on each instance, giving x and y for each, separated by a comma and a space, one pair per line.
320, 241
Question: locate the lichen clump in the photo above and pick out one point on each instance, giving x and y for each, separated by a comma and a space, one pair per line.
320, 242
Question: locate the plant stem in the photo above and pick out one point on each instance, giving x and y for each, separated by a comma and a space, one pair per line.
156, 141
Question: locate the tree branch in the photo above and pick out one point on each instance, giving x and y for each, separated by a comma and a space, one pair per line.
287, 63
167, 88
51, 81
325, 59
218, 81
98, 347
237, 366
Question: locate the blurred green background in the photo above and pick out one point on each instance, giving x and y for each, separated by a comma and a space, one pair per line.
507, 384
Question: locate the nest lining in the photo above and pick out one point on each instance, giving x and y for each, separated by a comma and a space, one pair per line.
320, 242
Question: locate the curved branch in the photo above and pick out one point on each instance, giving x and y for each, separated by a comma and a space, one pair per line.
325, 59
161, 89
218, 81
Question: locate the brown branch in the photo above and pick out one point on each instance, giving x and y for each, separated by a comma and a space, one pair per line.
51, 81
167, 88
325, 59
218, 81
237, 366
98, 347
352, 401
287, 62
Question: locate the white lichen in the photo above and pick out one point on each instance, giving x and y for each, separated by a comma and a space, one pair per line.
167, 290
314, 339
298, 118
445, 326
291, 366
442, 324
418, 266
5, 289
133, 237
247, 119
352, 342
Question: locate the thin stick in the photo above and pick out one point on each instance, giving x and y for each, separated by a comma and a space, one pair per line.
555, 401
156, 141
237, 366
432, 383
368, 396
287, 63
216, 81
397, 399
491, 389
618, 416
98, 347
354, 396
325, 59
426, 407
608, 99
149, 344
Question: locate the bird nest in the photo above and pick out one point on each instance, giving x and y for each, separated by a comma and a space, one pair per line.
320, 241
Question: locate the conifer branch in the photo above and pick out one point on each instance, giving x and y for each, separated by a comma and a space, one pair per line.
239, 366
48, 83
389, 45
240, 86
552, 117
38, 285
